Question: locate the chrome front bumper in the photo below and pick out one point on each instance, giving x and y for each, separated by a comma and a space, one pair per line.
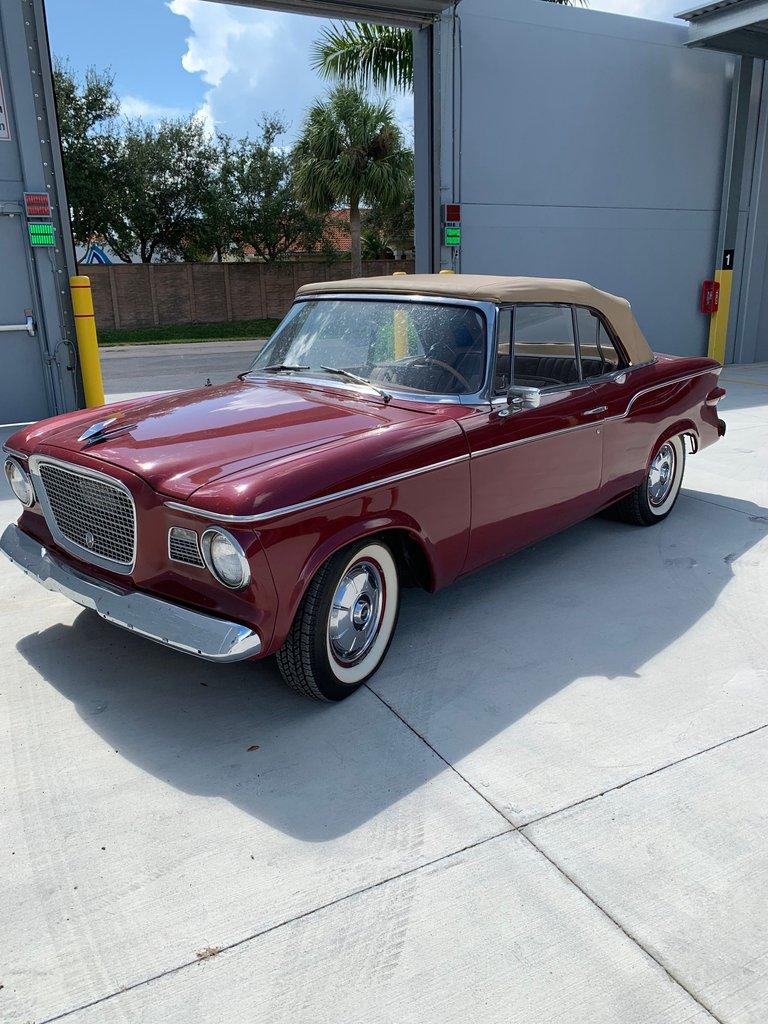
193, 632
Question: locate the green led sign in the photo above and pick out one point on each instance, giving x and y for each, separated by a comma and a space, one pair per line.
41, 234
452, 235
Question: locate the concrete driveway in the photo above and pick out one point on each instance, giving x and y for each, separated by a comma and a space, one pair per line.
549, 807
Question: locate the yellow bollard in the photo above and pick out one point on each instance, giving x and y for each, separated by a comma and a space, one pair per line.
87, 341
447, 271
401, 334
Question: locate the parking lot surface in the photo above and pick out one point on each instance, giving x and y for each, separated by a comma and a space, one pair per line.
548, 806
136, 369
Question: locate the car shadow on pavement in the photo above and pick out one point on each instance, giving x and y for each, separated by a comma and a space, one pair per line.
600, 600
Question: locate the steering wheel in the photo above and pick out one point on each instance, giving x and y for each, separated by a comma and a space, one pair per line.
424, 360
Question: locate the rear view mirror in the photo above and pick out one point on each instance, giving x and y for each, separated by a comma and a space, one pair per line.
523, 398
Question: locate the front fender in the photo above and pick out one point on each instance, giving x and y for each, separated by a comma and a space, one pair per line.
433, 509
375, 526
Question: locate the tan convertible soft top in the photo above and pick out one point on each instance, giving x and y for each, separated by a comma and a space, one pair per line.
482, 287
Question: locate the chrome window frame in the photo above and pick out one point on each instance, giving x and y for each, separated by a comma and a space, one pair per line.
614, 339
583, 382
489, 311
549, 389
73, 548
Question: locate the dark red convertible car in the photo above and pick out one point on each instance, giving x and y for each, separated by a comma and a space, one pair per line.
393, 430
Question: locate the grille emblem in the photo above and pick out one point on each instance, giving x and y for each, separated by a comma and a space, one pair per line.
90, 540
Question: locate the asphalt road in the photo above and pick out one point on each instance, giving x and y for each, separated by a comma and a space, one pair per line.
135, 369
548, 807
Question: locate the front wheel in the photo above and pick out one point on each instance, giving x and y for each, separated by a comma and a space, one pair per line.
344, 624
654, 498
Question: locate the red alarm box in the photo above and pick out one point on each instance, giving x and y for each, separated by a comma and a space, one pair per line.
710, 297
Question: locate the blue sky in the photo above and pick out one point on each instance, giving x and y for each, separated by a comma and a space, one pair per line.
226, 63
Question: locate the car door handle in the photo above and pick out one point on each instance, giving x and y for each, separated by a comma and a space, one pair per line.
596, 411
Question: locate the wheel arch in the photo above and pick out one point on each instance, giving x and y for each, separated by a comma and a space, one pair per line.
413, 553
685, 428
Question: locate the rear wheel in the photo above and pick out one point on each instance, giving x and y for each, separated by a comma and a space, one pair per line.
344, 624
654, 498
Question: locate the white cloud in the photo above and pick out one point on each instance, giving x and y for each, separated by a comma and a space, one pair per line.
256, 62
219, 35
135, 106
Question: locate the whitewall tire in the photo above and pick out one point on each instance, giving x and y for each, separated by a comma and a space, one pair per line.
344, 624
654, 498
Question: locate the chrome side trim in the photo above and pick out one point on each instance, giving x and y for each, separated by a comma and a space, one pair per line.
261, 517
204, 636
593, 425
14, 453
655, 387
350, 492
501, 400
35, 461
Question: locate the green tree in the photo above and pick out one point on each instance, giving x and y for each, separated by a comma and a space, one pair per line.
393, 226
87, 112
214, 226
371, 56
160, 177
268, 214
365, 56
351, 152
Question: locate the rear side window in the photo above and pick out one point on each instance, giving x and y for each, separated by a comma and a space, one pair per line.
544, 346
598, 352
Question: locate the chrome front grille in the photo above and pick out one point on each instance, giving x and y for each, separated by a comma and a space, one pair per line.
184, 546
89, 511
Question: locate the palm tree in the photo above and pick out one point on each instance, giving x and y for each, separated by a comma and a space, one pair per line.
351, 152
372, 56
365, 56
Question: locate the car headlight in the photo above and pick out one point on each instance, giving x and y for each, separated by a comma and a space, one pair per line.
225, 558
21, 482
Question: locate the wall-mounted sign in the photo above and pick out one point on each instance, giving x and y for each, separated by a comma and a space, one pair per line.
5, 127
452, 235
41, 233
37, 204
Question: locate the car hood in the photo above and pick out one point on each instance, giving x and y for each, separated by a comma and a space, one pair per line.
181, 442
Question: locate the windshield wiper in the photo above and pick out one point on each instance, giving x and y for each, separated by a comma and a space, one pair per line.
279, 367
358, 380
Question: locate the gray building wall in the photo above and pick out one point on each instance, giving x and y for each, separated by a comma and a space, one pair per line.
587, 145
39, 371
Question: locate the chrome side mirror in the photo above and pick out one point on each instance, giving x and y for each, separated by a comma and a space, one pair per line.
523, 398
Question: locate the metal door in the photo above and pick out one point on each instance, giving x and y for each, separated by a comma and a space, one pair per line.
23, 380
38, 369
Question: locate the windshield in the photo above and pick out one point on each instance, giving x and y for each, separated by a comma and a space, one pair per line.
433, 348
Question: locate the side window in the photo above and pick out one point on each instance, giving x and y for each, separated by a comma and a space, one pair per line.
544, 346
501, 373
598, 353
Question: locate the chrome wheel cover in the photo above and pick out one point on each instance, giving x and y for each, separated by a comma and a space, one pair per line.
356, 611
661, 475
